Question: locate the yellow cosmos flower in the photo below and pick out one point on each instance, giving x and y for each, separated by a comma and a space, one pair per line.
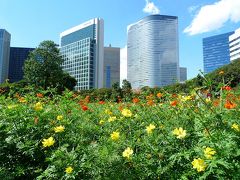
127, 153
186, 98
101, 122
199, 164
180, 133
150, 128
38, 106
126, 113
48, 142
59, 129
59, 117
107, 111
12, 106
22, 100
113, 118
209, 152
115, 135
236, 127
208, 100
69, 170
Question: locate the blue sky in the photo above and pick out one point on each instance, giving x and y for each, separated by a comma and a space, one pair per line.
32, 21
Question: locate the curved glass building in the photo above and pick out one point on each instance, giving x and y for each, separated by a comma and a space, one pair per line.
153, 51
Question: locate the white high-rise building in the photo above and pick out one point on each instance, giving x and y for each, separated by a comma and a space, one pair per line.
82, 48
234, 45
5, 38
153, 52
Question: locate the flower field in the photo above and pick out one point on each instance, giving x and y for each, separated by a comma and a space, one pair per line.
155, 136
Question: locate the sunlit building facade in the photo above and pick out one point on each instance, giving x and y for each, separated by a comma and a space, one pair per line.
82, 50
216, 52
5, 39
234, 45
153, 52
111, 66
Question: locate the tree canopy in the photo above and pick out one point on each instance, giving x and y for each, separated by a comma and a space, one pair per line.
43, 67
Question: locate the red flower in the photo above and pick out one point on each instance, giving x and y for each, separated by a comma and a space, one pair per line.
230, 105
101, 102
135, 100
84, 108
39, 95
173, 103
227, 88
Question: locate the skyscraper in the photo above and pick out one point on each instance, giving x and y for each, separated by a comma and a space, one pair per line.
234, 44
5, 39
216, 52
183, 74
18, 55
82, 50
153, 52
111, 66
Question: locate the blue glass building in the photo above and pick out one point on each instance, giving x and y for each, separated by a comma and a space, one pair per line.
18, 55
153, 51
82, 50
5, 39
216, 52
111, 66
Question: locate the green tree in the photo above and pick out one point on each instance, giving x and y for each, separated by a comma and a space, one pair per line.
127, 90
43, 67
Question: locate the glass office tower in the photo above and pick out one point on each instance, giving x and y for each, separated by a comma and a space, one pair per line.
234, 45
111, 66
153, 51
216, 52
18, 55
5, 38
82, 50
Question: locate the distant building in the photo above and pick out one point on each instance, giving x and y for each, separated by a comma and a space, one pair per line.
18, 55
234, 44
123, 64
5, 39
82, 50
153, 52
183, 74
216, 52
111, 66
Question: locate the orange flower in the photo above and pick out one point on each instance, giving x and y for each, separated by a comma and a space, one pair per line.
39, 95
87, 99
150, 102
227, 88
221, 72
101, 102
159, 95
230, 105
173, 103
216, 103
135, 100
84, 108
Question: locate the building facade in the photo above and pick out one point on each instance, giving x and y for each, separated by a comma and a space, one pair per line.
216, 52
5, 39
82, 50
183, 74
18, 55
111, 66
234, 45
153, 51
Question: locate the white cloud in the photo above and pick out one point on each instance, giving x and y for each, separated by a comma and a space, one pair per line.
212, 17
123, 64
151, 8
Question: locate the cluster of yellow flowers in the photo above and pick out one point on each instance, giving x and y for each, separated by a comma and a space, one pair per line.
236, 127
48, 142
115, 135
127, 153
180, 133
126, 113
69, 170
150, 128
38, 106
112, 118
59, 129
199, 164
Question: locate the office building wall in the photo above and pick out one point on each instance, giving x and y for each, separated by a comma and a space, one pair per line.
234, 45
